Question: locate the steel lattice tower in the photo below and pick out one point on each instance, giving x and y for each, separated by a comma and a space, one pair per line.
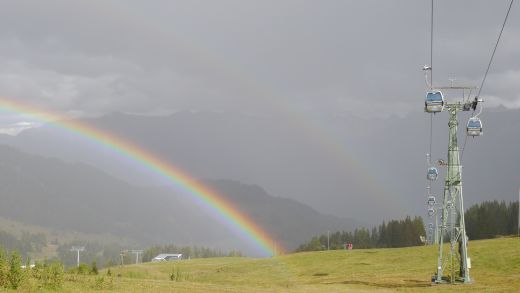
453, 261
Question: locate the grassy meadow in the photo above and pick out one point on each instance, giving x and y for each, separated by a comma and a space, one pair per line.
495, 268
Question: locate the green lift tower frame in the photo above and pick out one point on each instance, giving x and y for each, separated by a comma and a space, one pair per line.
453, 263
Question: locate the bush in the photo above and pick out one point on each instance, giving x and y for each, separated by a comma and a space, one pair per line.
103, 282
37, 271
94, 270
53, 275
4, 270
82, 269
42, 275
16, 274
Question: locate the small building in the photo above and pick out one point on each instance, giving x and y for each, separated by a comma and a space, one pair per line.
167, 257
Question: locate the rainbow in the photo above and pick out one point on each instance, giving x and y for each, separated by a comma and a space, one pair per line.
221, 208
277, 102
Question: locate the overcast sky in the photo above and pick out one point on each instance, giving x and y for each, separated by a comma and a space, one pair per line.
262, 57
308, 60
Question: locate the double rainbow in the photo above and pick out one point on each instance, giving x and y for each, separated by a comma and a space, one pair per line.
220, 207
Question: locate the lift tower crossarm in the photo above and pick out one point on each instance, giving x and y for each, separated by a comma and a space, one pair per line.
451, 87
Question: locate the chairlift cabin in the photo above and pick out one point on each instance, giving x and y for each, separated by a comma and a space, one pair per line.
434, 102
431, 212
431, 200
432, 174
474, 127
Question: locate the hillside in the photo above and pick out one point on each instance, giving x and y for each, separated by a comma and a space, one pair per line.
293, 164
80, 198
496, 268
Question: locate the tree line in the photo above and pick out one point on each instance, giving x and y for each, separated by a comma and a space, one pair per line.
25, 244
491, 218
186, 251
107, 255
395, 233
28, 244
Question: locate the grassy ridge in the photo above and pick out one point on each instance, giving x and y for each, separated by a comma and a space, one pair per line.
496, 267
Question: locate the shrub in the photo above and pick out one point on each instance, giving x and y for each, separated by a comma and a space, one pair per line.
94, 270
16, 274
4, 270
83, 269
103, 282
53, 275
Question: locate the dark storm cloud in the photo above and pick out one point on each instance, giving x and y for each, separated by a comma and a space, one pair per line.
99, 56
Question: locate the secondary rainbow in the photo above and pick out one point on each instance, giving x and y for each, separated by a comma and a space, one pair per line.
221, 208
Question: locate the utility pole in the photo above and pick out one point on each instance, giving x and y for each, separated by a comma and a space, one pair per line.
328, 240
122, 255
77, 249
137, 252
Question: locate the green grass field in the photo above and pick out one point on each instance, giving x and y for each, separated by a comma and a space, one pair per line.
495, 268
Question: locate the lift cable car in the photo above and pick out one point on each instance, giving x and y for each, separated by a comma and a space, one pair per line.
431, 200
434, 102
474, 127
431, 212
432, 174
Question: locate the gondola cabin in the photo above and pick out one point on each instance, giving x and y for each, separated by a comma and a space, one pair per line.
431, 212
432, 174
434, 102
474, 127
431, 200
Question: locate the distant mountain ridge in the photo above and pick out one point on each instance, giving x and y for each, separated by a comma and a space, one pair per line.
285, 159
75, 196
374, 172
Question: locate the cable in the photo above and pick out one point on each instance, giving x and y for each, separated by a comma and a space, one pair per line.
429, 185
495, 49
463, 148
431, 48
431, 137
486, 73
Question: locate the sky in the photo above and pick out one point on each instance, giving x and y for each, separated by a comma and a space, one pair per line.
308, 60
334, 58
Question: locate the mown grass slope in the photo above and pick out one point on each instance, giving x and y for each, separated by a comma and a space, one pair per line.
496, 267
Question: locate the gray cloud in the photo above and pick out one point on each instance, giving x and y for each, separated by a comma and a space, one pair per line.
99, 56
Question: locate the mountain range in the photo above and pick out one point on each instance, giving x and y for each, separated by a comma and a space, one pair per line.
359, 168
78, 197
